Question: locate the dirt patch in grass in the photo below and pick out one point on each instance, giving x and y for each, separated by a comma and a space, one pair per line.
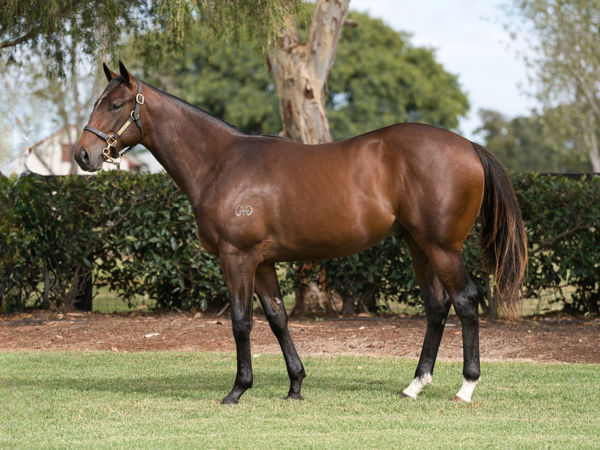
549, 339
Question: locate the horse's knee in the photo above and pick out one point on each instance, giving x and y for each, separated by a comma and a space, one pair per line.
241, 326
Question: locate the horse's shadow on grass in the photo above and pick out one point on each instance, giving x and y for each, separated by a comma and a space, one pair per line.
168, 386
208, 384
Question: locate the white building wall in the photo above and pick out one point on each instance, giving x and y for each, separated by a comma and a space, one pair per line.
46, 157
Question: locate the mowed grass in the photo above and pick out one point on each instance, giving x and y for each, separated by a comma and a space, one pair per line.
171, 399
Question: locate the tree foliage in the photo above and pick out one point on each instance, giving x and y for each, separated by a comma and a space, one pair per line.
378, 79
566, 64
529, 143
46, 27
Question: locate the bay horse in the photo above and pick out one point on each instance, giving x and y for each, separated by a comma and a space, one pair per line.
258, 200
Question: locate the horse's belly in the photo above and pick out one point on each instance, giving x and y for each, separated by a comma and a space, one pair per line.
337, 232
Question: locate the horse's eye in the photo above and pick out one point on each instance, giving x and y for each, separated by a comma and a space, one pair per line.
116, 105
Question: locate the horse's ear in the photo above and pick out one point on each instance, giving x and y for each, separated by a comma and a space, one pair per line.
124, 72
109, 73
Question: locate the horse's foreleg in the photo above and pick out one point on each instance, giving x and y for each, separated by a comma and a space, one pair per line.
267, 288
437, 305
238, 271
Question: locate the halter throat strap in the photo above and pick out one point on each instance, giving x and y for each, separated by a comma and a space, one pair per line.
110, 152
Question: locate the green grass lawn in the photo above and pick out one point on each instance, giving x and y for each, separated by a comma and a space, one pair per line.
171, 399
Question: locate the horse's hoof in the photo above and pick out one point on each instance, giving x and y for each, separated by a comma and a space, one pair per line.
229, 401
457, 399
412, 397
294, 396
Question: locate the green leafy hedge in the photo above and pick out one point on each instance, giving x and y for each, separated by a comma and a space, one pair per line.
136, 235
562, 216
132, 233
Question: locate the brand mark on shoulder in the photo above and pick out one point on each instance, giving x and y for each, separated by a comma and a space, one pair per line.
243, 210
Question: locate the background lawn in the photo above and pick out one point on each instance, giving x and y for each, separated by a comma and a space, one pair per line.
171, 399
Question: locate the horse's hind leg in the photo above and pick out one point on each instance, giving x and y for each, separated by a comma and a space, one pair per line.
450, 269
437, 305
267, 288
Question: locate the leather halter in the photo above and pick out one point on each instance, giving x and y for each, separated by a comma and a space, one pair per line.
110, 153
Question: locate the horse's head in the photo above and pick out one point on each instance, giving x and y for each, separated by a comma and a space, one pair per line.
108, 132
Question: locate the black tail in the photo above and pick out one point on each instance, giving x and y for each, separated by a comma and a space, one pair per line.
503, 238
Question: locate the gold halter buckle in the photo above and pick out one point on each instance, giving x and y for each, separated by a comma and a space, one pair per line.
106, 152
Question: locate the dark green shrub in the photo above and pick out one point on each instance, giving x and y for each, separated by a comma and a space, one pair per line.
562, 215
155, 250
132, 233
49, 240
136, 235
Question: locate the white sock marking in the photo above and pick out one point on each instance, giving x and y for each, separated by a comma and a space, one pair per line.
417, 385
466, 390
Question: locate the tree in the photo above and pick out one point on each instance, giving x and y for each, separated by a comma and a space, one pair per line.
41, 27
30, 27
301, 70
378, 79
564, 36
528, 143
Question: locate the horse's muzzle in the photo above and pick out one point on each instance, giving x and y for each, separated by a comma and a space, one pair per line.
86, 161
84, 156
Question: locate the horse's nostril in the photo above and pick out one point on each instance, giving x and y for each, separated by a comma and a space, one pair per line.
84, 155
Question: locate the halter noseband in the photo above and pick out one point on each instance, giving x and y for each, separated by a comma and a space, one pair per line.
110, 153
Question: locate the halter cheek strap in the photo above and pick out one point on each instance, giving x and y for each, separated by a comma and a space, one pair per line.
110, 153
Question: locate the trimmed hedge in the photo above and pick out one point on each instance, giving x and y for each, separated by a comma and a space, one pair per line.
133, 233
136, 235
562, 215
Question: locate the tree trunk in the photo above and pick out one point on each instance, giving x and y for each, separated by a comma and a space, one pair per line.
592, 141
300, 71
84, 300
492, 311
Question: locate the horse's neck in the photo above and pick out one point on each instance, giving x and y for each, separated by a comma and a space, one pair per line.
185, 140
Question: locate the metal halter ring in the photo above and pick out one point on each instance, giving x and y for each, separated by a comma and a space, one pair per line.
106, 152
139, 98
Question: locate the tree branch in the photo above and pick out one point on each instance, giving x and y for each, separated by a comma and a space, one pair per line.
550, 242
591, 98
324, 34
21, 39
